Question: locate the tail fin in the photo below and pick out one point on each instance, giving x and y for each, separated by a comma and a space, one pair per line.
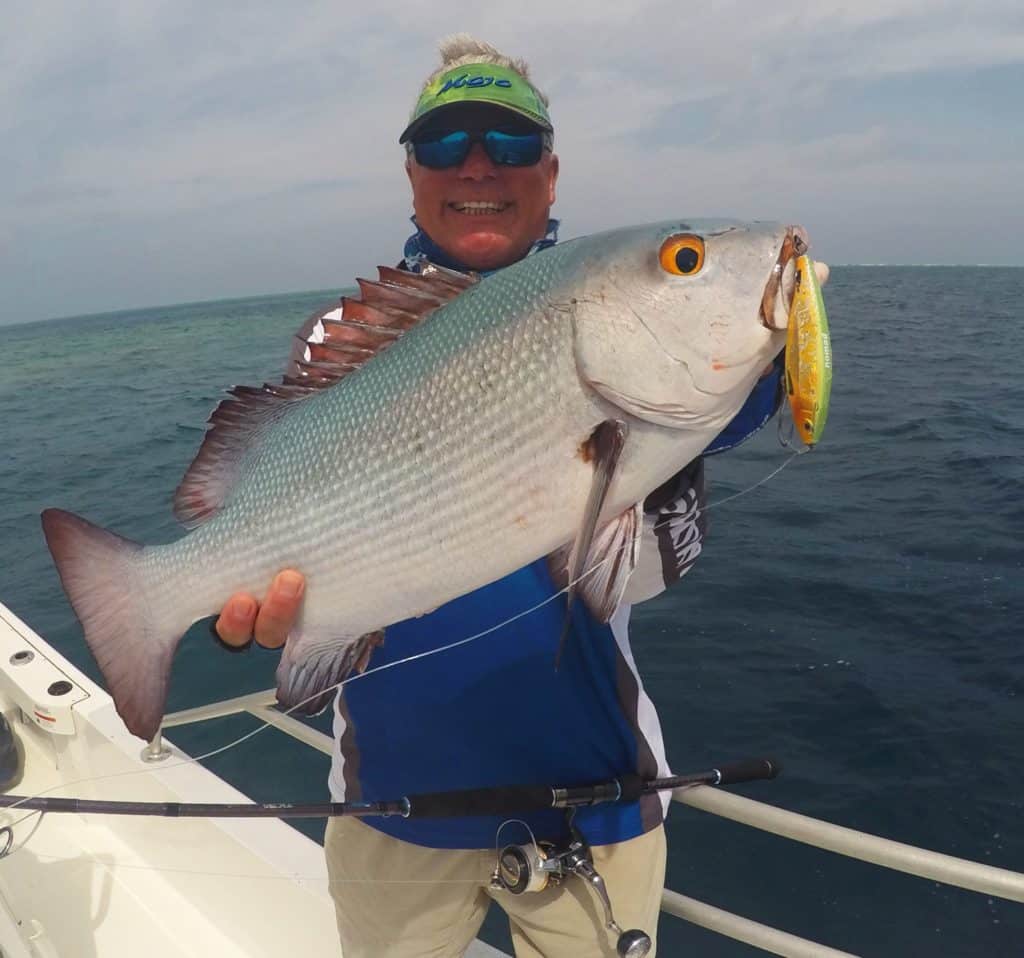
100, 574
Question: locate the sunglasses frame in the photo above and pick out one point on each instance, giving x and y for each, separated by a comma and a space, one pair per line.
481, 137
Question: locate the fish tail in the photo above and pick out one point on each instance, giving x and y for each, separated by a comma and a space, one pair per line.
102, 576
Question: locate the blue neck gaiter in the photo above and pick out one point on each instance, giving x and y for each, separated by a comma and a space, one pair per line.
420, 247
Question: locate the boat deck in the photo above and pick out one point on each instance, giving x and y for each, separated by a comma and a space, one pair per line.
112, 887
81, 886
101, 886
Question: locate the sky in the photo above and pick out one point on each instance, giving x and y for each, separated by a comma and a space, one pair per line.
167, 152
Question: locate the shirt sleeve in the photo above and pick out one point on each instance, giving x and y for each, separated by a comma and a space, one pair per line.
672, 536
760, 406
675, 521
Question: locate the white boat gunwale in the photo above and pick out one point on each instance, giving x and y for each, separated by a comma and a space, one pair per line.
23, 689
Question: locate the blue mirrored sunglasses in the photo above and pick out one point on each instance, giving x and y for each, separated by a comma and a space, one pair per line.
505, 149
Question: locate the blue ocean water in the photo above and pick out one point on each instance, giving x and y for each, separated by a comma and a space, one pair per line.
858, 616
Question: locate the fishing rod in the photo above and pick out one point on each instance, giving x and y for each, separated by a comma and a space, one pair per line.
518, 869
502, 800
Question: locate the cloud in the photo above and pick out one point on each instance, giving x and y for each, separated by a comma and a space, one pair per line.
172, 126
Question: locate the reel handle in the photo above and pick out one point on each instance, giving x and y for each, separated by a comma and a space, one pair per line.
633, 943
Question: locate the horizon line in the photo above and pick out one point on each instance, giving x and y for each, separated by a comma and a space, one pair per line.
338, 289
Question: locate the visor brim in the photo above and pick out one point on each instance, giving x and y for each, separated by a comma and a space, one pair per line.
421, 121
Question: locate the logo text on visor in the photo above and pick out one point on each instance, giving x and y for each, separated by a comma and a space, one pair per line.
466, 80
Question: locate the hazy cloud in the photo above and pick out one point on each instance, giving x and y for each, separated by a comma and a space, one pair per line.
164, 152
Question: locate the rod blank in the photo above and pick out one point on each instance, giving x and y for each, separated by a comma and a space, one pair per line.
480, 801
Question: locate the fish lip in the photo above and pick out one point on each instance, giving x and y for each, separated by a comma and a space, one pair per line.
780, 287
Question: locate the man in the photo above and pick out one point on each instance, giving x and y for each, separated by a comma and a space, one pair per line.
483, 172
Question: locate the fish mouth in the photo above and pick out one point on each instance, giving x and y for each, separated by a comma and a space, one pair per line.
777, 298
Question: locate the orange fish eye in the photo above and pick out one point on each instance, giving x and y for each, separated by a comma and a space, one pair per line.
682, 254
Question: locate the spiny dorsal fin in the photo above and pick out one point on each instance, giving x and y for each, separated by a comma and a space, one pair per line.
383, 311
431, 279
332, 343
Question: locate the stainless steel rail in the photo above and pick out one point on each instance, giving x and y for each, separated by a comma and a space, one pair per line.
853, 844
848, 842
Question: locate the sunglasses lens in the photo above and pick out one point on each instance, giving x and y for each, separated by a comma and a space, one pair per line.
513, 149
444, 152
504, 149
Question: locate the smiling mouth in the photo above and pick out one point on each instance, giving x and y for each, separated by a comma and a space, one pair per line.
480, 207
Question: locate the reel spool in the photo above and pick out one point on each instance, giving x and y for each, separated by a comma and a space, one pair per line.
524, 868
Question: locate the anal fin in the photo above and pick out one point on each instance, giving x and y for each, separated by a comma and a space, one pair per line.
311, 667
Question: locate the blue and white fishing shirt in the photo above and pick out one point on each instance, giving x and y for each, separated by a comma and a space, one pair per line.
495, 711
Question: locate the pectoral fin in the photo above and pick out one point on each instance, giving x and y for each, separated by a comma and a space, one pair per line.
604, 447
613, 556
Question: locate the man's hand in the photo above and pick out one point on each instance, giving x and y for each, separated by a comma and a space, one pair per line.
243, 618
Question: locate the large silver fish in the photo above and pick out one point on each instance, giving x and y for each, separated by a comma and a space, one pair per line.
528, 415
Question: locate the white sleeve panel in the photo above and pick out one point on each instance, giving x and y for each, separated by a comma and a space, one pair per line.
673, 534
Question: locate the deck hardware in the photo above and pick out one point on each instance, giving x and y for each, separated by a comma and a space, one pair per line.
156, 751
22, 658
60, 688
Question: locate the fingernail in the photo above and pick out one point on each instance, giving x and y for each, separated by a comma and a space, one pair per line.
289, 584
242, 610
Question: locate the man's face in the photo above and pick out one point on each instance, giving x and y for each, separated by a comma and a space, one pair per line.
518, 198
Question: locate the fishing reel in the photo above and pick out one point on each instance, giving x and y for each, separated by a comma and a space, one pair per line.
532, 868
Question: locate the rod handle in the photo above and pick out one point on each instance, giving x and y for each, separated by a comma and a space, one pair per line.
748, 770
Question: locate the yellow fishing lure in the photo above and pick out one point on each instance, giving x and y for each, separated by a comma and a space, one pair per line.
808, 355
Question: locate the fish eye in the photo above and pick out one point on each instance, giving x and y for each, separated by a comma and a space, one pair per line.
682, 254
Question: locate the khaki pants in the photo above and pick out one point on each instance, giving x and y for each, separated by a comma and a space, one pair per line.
398, 900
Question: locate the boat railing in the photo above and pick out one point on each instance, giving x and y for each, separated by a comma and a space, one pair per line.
850, 843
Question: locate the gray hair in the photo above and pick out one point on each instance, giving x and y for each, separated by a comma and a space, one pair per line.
460, 49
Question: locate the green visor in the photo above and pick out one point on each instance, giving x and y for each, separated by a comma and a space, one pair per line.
478, 83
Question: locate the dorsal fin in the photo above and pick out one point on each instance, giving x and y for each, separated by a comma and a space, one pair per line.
396, 297
233, 429
331, 343
431, 279
384, 310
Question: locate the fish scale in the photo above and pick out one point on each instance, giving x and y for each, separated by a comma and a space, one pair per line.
452, 458
407, 481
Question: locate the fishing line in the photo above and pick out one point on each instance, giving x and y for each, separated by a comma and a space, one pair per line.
761, 482
583, 575
331, 688
7, 834
195, 760
265, 725
786, 434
